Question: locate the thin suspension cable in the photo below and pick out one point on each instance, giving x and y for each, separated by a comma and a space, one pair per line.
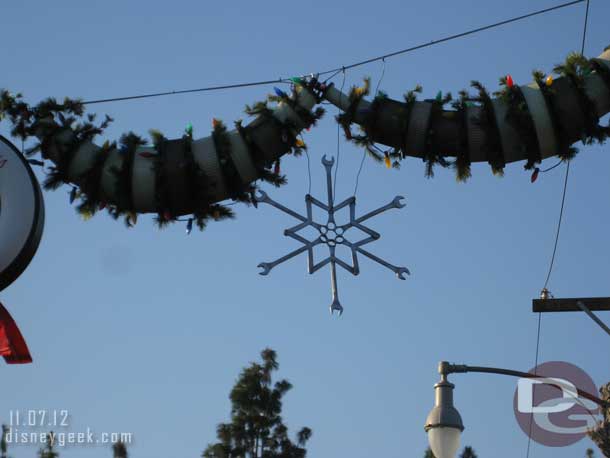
308, 171
189, 91
563, 200
364, 152
359, 172
531, 422
338, 146
336, 71
380, 78
459, 35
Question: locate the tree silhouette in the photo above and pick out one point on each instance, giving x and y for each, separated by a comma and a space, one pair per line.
47, 451
3, 444
468, 452
601, 433
256, 429
119, 450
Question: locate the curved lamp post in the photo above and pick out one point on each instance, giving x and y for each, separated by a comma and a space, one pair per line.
444, 423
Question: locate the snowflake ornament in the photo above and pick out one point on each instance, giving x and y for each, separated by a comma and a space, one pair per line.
331, 234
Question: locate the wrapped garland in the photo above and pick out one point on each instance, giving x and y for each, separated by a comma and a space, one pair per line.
177, 177
529, 123
185, 176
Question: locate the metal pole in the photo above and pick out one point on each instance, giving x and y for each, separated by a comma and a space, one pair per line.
601, 324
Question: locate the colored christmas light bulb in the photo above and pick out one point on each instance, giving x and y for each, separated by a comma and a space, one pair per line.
549, 80
189, 226
299, 143
296, 80
276, 168
279, 92
509, 81
167, 216
215, 123
535, 175
189, 129
387, 161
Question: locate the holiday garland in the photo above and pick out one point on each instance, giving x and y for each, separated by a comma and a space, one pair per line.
190, 177
568, 125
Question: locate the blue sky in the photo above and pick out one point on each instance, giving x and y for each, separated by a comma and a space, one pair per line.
145, 331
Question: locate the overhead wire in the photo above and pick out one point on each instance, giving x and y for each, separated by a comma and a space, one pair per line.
336, 71
545, 293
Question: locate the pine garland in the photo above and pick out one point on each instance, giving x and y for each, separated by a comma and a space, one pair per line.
431, 156
575, 68
566, 152
495, 155
91, 183
462, 161
123, 206
519, 117
365, 139
198, 185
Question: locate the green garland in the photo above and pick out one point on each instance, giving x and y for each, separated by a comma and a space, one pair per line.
431, 156
493, 145
91, 183
575, 69
566, 152
462, 160
197, 185
368, 126
128, 144
518, 116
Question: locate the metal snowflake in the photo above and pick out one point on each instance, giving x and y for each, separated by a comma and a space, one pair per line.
332, 235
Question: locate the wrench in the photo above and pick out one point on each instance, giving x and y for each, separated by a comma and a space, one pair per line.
396, 203
399, 271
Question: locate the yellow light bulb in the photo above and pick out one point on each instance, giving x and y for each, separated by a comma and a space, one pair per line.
388, 162
549, 80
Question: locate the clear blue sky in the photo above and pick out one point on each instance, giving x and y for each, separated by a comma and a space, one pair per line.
145, 330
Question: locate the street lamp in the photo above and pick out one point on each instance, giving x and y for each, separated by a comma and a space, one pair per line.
444, 423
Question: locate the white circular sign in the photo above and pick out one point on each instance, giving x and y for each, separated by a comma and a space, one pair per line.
21, 213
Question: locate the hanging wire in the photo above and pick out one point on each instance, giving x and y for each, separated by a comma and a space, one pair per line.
563, 200
308, 172
338, 145
359, 172
545, 293
380, 78
364, 152
338, 70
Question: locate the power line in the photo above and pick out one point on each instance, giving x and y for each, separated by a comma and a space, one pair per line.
453, 37
342, 68
552, 263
